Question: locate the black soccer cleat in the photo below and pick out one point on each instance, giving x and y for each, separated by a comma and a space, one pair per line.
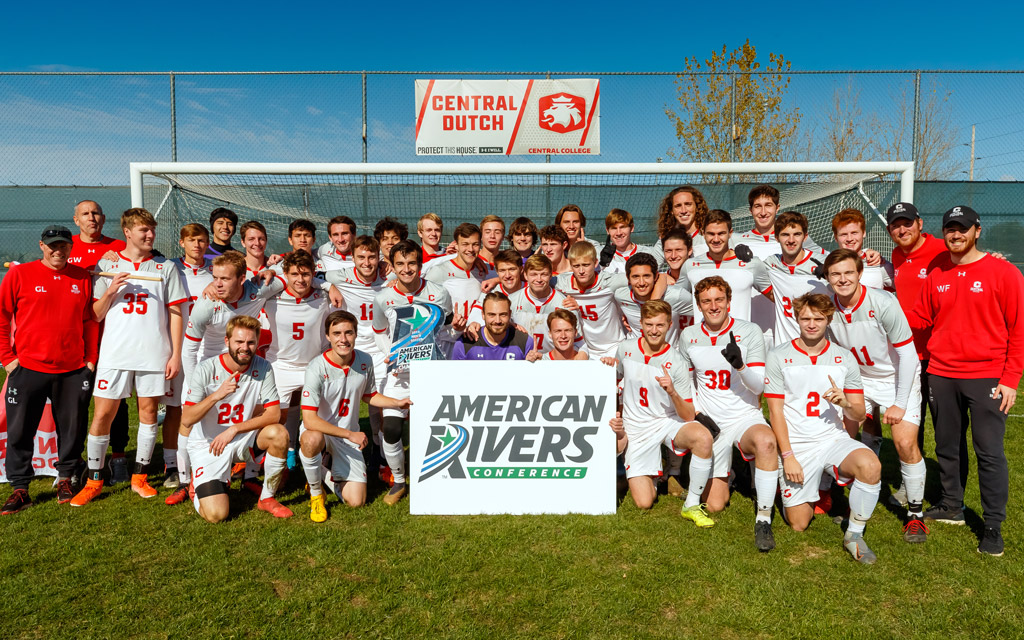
764, 539
991, 542
915, 530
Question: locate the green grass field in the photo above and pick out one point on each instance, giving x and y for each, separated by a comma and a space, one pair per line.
127, 568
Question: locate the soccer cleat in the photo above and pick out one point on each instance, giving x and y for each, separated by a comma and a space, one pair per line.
253, 486
915, 531
824, 503
20, 500
991, 542
699, 515
861, 552
274, 508
237, 470
385, 475
673, 486
899, 499
119, 471
91, 489
318, 508
180, 495
396, 493
764, 539
945, 514
171, 480
65, 491
140, 485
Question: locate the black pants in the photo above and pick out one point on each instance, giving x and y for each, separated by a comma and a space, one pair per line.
119, 428
27, 391
949, 398
965, 465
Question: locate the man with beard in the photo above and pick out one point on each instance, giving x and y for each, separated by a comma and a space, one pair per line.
498, 340
971, 302
234, 405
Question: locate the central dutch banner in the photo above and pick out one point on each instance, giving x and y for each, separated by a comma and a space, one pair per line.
511, 437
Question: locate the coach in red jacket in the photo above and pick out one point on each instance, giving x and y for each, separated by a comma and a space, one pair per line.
973, 303
46, 306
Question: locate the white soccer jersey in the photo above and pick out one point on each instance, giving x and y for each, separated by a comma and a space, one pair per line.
720, 391
328, 258
762, 311
677, 297
195, 280
204, 333
873, 330
644, 401
463, 285
255, 389
801, 380
334, 391
600, 316
297, 325
532, 315
358, 297
137, 328
618, 263
879, 276
744, 278
789, 282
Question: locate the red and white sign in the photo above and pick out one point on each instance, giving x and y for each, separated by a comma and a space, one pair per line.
44, 459
505, 117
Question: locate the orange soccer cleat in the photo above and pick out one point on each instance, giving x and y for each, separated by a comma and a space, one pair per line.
91, 489
140, 485
274, 508
824, 503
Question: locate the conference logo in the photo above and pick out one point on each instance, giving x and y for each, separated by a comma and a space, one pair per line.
562, 112
512, 437
415, 335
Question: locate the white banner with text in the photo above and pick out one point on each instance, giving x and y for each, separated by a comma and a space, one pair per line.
505, 117
512, 437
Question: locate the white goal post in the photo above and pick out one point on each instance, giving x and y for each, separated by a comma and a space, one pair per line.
279, 192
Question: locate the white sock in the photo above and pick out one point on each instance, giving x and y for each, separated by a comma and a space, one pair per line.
825, 483
675, 465
273, 467
765, 483
251, 470
312, 469
700, 469
863, 498
913, 482
145, 444
871, 441
97, 451
170, 457
395, 456
184, 462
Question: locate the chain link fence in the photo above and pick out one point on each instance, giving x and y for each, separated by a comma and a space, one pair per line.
68, 136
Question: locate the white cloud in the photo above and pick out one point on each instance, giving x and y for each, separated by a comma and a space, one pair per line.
192, 104
313, 111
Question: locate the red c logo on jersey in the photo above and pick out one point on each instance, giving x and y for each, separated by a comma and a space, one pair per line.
839, 359
102, 384
430, 297
871, 313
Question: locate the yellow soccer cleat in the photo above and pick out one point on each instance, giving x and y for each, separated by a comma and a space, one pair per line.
698, 513
317, 508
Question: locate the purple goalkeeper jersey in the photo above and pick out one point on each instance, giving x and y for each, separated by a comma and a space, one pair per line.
514, 346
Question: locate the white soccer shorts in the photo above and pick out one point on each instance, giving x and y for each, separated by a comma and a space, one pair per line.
397, 387
175, 395
880, 394
288, 380
815, 458
380, 370
643, 451
207, 467
115, 384
732, 433
347, 463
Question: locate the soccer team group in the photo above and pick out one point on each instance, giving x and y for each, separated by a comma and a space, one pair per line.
261, 361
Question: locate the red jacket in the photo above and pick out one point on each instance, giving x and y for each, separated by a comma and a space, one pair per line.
87, 254
976, 316
910, 271
46, 318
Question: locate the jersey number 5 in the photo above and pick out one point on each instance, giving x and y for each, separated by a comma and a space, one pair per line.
297, 331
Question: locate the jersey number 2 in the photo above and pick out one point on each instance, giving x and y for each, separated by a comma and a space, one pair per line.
812, 404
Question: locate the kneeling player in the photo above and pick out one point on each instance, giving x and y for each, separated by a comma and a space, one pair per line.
726, 356
805, 381
233, 403
335, 382
656, 410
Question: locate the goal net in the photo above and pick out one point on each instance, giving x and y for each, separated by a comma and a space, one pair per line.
276, 194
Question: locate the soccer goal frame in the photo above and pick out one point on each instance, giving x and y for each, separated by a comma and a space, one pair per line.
904, 169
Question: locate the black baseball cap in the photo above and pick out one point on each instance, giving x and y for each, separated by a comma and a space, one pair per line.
55, 233
962, 215
901, 211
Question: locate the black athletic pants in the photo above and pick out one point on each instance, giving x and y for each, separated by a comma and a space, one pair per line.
119, 429
69, 395
949, 398
965, 466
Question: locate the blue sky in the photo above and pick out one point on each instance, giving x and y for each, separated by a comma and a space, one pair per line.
566, 36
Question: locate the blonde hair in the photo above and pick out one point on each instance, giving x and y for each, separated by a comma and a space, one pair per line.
581, 251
